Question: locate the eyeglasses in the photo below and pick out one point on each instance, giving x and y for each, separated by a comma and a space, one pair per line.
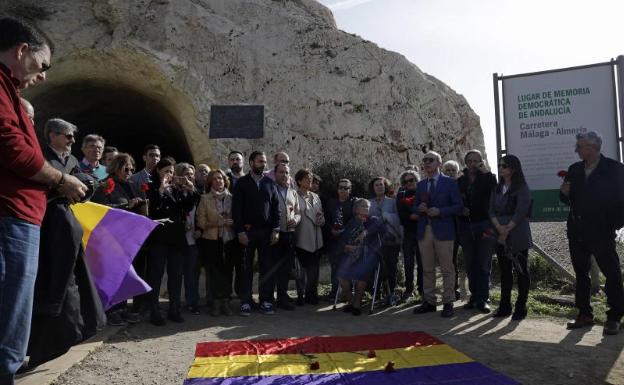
283, 161
44, 67
128, 169
428, 160
410, 180
502, 165
344, 188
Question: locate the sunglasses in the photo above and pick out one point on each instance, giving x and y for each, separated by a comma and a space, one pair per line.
410, 180
67, 136
428, 160
344, 188
128, 169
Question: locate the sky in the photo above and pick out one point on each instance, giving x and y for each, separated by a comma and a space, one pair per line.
464, 42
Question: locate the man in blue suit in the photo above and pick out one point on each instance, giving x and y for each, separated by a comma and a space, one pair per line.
437, 202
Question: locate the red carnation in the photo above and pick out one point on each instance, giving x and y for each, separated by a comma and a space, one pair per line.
389, 367
562, 174
110, 186
315, 365
408, 201
145, 187
371, 354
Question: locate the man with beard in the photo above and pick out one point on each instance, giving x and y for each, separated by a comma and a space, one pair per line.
256, 214
235, 161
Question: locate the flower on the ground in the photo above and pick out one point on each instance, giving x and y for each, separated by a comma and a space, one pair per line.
315, 365
389, 367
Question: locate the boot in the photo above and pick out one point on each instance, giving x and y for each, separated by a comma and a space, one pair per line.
215, 311
225, 308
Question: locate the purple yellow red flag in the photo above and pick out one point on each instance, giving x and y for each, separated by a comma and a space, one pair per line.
399, 358
111, 239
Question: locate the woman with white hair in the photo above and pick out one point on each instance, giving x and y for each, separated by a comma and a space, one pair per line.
360, 243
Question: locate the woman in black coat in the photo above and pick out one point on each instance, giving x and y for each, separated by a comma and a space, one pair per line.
510, 205
117, 191
170, 199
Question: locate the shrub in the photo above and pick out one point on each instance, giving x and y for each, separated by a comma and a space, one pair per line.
331, 172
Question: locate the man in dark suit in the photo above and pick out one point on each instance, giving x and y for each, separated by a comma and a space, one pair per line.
256, 214
437, 202
594, 189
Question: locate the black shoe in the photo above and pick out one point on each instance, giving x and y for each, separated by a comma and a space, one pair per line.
581, 321
131, 318
348, 308
300, 301
447, 310
175, 317
356, 311
469, 305
457, 295
519, 314
484, 308
426, 307
502, 312
406, 295
286, 305
115, 319
611, 328
157, 319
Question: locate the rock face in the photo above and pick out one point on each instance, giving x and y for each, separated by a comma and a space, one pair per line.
327, 94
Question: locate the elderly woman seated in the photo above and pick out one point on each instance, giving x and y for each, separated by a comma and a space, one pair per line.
360, 243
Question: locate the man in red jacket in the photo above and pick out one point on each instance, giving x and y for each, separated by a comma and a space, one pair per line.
25, 178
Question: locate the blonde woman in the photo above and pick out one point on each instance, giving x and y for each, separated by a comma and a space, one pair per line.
214, 219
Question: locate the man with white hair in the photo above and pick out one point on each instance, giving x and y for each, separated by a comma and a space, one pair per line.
594, 189
25, 55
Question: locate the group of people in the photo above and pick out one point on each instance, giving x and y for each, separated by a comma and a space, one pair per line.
224, 220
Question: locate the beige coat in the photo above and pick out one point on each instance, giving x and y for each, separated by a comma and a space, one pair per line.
309, 236
289, 208
209, 221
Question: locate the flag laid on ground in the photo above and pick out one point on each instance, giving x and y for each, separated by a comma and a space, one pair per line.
400, 358
111, 240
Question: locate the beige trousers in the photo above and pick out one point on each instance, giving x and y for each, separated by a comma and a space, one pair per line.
430, 250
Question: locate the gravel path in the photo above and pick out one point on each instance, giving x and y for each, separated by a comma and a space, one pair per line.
535, 351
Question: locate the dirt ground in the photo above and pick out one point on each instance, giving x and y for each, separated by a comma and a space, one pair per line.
534, 351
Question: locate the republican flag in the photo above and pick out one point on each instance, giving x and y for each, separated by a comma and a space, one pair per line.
400, 358
111, 239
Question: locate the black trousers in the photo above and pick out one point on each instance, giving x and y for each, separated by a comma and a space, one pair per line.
506, 272
169, 255
609, 263
217, 257
411, 256
283, 259
310, 264
259, 241
390, 254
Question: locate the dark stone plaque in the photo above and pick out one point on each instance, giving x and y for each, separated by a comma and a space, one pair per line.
245, 122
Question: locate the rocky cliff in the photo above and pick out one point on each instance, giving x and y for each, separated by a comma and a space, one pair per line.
327, 94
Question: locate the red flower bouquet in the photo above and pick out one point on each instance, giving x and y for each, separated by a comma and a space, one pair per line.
109, 186
562, 174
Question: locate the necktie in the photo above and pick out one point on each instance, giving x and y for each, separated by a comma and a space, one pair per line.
431, 185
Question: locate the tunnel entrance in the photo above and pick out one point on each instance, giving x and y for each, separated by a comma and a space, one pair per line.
126, 118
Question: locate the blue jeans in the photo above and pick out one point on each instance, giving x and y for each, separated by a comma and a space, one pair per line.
19, 257
477, 259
